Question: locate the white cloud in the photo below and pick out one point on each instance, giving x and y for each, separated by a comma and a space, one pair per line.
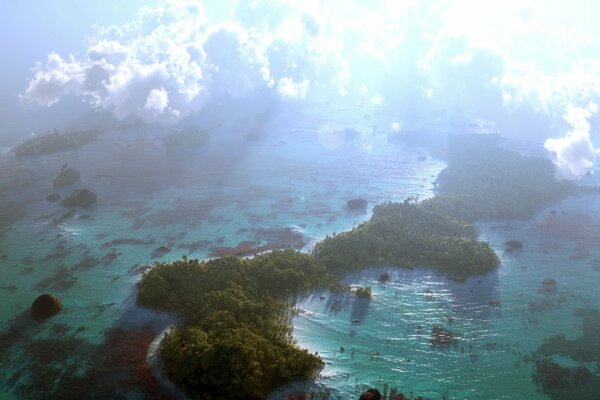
157, 100
288, 88
575, 153
377, 100
52, 81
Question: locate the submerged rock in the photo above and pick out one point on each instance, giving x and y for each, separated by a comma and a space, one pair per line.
161, 251
45, 306
80, 198
513, 245
549, 282
357, 205
442, 337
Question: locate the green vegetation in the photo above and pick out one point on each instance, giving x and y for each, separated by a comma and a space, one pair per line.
235, 335
185, 139
408, 235
484, 181
67, 176
55, 142
80, 198
363, 292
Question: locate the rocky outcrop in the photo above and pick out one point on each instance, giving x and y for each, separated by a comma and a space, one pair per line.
80, 198
45, 306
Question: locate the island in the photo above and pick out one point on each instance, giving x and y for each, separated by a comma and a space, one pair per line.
234, 336
80, 198
67, 176
55, 142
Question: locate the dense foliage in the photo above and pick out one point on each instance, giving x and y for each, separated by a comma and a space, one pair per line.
54, 142
80, 198
235, 335
408, 235
483, 180
363, 292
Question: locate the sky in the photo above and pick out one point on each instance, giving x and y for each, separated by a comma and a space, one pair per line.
528, 68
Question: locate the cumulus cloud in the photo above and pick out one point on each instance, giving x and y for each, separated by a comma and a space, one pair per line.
53, 80
157, 100
168, 62
575, 153
520, 66
396, 126
288, 88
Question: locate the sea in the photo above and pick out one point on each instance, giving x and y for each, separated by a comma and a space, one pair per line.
261, 177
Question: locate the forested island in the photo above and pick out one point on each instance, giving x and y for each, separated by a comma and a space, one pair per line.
486, 181
54, 142
234, 336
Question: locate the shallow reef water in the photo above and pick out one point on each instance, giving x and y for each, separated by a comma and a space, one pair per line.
287, 188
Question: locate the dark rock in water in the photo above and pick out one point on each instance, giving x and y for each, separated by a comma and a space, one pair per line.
553, 212
53, 197
357, 205
384, 277
513, 245
442, 337
549, 282
80, 198
45, 306
370, 394
67, 177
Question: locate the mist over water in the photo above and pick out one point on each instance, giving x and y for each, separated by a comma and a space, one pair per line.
291, 109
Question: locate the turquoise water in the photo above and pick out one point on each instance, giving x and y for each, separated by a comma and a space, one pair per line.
297, 172
500, 318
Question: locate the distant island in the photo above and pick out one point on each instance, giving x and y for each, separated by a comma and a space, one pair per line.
54, 142
486, 181
234, 339
185, 140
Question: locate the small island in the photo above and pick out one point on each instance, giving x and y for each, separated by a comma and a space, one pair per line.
68, 176
80, 198
55, 142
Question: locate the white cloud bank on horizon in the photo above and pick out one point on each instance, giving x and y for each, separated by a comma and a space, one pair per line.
505, 63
